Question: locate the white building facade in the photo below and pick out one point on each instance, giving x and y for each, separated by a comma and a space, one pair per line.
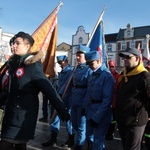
4, 46
81, 37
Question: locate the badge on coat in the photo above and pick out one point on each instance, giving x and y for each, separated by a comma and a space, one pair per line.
19, 72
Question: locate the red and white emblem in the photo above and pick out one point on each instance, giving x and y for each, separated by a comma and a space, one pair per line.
19, 72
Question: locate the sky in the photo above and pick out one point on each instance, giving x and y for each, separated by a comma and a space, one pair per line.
27, 15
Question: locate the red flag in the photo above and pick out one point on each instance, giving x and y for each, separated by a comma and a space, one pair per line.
45, 37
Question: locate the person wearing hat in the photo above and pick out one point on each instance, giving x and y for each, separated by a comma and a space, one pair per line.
4, 66
79, 87
98, 100
63, 78
3, 70
112, 126
25, 78
132, 99
11, 43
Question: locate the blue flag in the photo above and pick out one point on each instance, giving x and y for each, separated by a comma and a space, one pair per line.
98, 42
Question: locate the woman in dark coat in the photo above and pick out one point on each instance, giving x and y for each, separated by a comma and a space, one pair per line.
24, 79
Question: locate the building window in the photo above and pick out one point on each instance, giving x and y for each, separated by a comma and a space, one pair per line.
132, 44
62, 48
128, 33
123, 45
80, 40
109, 47
80, 29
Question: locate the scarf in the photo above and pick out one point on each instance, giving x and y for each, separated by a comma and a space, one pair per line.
138, 69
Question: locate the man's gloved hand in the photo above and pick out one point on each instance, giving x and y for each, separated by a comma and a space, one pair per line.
66, 115
93, 123
83, 112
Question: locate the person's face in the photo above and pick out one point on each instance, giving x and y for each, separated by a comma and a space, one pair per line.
80, 58
21, 46
61, 63
111, 68
131, 61
94, 64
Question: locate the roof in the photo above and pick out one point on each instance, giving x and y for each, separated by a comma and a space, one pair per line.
109, 38
138, 32
64, 43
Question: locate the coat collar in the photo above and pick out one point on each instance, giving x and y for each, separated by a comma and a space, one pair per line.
33, 57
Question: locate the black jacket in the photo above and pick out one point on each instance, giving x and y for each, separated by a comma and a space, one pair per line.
26, 79
132, 100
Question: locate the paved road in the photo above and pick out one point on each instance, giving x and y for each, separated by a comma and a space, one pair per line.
43, 132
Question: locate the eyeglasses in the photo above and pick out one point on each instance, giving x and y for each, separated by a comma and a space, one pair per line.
127, 57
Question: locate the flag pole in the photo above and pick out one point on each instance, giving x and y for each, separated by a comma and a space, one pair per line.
100, 18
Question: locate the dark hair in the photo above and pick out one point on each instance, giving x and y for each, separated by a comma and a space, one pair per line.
80, 52
12, 40
25, 36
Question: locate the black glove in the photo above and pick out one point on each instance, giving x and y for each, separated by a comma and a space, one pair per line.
83, 112
66, 115
93, 123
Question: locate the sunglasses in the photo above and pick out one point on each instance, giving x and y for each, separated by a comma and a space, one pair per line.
127, 57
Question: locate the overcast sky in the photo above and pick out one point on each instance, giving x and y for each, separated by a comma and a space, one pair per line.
27, 15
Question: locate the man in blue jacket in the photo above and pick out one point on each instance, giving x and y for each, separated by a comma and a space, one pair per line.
63, 78
98, 101
79, 87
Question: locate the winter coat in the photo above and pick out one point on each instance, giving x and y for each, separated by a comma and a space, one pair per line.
132, 100
63, 79
79, 85
116, 76
100, 90
25, 80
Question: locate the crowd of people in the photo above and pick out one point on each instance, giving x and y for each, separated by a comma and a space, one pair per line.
92, 98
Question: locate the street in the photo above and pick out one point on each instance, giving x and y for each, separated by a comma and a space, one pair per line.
43, 132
